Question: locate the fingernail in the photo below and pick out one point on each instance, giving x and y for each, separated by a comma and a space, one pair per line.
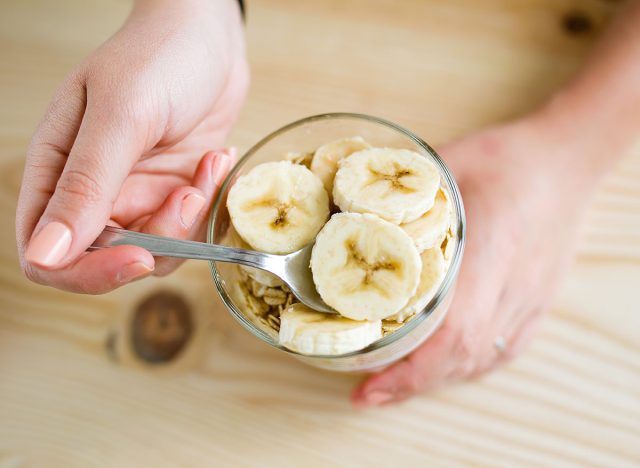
50, 245
233, 153
378, 397
191, 206
133, 271
220, 167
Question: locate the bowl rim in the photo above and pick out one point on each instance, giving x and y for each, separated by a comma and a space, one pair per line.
446, 285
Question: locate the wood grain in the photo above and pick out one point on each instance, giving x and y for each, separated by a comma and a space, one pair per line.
73, 394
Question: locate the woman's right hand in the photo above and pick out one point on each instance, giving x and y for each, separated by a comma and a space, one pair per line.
125, 142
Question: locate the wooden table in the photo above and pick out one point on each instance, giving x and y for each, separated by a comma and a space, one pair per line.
73, 392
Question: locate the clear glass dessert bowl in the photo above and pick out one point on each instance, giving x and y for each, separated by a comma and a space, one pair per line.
304, 137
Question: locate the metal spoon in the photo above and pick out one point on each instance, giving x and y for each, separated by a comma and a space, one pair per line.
292, 268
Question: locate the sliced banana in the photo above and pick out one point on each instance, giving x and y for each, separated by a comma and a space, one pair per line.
325, 160
309, 332
299, 158
263, 277
448, 248
278, 207
433, 269
430, 229
390, 326
396, 184
364, 267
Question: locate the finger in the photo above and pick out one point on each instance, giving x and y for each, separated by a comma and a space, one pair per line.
100, 271
102, 155
428, 364
174, 219
517, 333
46, 156
184, 212
219, 171
521, 338
453, 351
213, 168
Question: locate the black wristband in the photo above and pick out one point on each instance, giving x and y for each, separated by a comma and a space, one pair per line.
241, 2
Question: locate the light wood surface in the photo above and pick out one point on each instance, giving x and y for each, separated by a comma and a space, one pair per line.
73, 394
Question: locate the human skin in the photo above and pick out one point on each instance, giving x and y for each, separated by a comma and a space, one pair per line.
125, 142
525, 185
167, 87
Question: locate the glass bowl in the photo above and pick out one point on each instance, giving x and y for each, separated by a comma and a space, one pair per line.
305, 136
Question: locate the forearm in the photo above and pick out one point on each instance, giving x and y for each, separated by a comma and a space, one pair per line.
598, 111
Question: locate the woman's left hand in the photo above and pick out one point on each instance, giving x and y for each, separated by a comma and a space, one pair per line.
523, 195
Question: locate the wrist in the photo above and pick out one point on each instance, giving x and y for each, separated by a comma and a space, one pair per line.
584, 139
215, 24
226, 12
193, 5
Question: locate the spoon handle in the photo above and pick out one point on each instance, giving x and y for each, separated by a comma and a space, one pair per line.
167, 247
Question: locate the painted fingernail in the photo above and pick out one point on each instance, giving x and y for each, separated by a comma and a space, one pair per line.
133, 271
220, 167
50, 245
378, 397
191, 206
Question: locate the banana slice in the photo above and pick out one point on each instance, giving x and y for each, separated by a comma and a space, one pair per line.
278, 207
396, 184
299, 158
390, 327
364, 267
309, 332
430, 229
325, 160
433, 269
447, 246
263, 277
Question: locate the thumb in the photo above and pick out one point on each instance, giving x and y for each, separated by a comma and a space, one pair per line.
102, 156
426, 367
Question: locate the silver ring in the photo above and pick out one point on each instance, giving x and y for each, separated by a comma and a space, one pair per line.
500, 344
